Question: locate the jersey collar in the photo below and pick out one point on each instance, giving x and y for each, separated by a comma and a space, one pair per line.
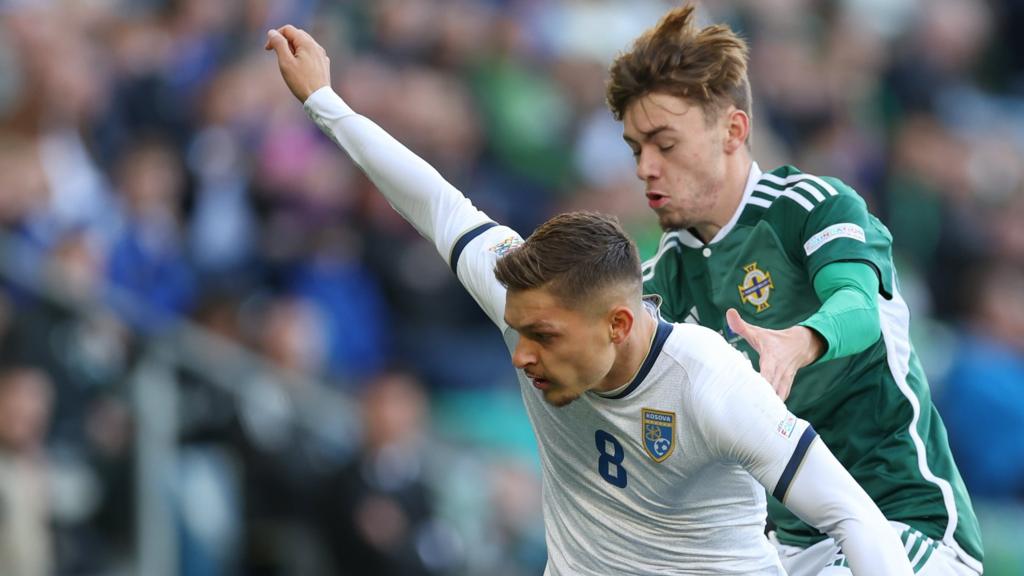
691, 241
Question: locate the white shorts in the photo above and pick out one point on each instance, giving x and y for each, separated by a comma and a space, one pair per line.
927, 557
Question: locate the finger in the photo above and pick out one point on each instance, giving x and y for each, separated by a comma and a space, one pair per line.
778, 373
740, 327
766, 368
298, 38
290, 32
777, 385
783, 391
770, 372
785, 386
278, 43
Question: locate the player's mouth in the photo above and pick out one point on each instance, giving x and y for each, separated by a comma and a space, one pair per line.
656, 200
539, 383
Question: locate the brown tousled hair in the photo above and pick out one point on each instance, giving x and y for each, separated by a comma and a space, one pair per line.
574, 255
705, 65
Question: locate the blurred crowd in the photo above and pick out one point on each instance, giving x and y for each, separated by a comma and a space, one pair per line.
156, 171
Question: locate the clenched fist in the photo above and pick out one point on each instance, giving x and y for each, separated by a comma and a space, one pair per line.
304, 64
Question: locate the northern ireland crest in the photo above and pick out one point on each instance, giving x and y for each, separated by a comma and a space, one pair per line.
659, 430
757, 287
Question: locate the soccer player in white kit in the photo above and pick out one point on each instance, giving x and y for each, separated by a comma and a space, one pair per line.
655, 439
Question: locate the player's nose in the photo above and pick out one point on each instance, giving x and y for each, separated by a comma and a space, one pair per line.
646, 166
523, 356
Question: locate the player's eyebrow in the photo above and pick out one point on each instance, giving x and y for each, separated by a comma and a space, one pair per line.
648, 134
537, 326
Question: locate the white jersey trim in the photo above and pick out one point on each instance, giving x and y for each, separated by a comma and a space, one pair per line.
894, 318
753, 177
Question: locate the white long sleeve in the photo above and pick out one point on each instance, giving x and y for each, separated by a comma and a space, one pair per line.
746, 422
414, 188
824, 495
438, 211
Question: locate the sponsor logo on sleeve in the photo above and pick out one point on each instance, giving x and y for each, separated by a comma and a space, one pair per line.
833, 232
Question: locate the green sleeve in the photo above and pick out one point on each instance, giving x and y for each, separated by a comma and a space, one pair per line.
848, 317
840, 229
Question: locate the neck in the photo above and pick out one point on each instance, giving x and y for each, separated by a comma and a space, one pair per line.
737, 170
632, 352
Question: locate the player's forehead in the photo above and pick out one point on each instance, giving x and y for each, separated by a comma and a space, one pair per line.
654, 113
537, 308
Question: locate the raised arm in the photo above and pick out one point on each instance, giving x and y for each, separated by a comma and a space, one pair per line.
465, 237
747, 423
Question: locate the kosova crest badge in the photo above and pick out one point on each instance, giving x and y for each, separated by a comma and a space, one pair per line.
659, 430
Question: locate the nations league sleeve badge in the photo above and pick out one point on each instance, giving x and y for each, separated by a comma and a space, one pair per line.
659, 430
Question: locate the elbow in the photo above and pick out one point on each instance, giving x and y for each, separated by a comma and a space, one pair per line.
848, 528
869, 326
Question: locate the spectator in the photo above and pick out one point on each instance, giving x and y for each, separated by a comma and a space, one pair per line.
379, 509
147, 258
983, 397
26, 542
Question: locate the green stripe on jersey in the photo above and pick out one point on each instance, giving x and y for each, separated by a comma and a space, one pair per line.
932, 547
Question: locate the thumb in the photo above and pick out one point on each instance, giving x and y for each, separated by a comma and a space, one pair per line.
279, 44
738, 325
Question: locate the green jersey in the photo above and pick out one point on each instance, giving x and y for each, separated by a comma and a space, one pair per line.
873, 408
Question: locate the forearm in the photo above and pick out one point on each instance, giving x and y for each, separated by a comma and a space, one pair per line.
421, 195
415, 189
824, 495
848, 318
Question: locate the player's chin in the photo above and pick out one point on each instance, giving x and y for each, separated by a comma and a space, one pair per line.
559, 398
669, 221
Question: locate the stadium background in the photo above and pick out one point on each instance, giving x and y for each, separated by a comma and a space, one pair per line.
223, 354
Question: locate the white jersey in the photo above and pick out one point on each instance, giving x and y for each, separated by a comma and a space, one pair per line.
666, 475
656, 478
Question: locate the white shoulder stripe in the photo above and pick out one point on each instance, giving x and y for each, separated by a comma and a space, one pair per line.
828, 187
794, 178
811, 190
778, 180
798, 198
668, 241
759, 202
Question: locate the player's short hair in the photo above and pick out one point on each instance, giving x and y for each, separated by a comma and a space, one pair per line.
705, 65
575, 255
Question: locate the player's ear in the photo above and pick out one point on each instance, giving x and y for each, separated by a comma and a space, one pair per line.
620, 324
737, 129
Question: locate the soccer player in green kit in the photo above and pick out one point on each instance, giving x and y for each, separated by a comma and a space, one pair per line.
795, 272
